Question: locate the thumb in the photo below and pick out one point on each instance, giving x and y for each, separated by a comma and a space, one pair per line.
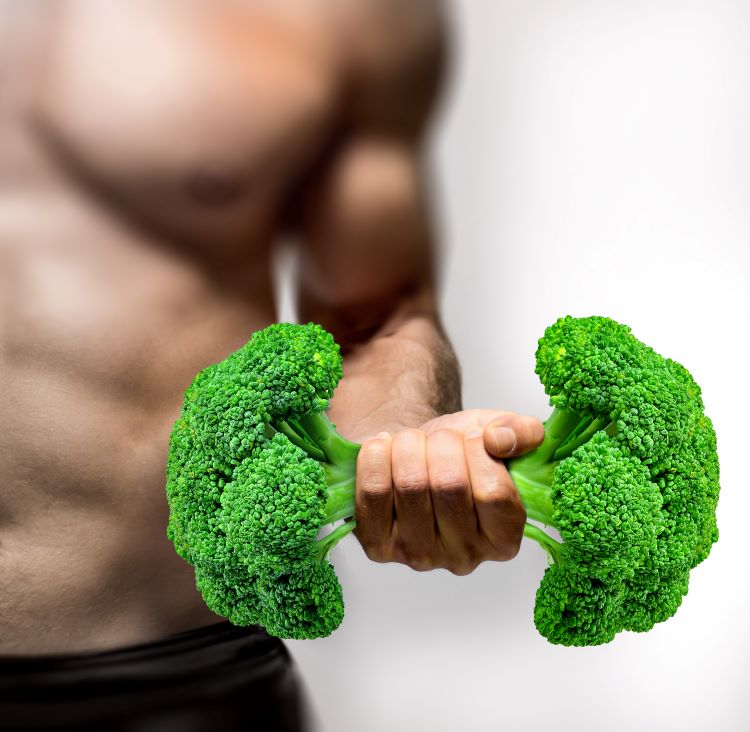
512, 434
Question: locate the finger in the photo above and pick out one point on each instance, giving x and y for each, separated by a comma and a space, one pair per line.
512, 434
373, 502
498, 506
450, 491
411, 491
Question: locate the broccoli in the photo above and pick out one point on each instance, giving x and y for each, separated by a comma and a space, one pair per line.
628, 475
255, 471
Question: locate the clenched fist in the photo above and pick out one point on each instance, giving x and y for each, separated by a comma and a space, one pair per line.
439, 495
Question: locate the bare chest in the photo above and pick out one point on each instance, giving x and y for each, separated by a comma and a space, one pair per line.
195, 118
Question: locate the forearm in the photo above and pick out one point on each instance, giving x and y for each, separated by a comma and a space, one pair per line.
403, 375
367, 274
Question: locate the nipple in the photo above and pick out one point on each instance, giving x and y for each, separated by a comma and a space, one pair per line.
213, 188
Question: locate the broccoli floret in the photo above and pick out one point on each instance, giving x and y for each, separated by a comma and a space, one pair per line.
255, 472
571, 604
279, 499
303, 599
292, 598
231, 589
628, 474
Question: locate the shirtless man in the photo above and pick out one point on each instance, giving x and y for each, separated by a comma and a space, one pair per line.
152, 155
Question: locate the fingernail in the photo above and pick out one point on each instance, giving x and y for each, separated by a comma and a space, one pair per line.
505, 440
472, 433
381, 435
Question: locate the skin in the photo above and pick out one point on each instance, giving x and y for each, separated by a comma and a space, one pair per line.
141, 203
435, 496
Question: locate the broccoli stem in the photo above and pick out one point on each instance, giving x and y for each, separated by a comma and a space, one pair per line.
564, 431
533, 483
300, 439
552, 547
321, 433
340, 503
330, 540
316, 435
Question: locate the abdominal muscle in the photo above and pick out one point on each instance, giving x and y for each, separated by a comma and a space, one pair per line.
138, 202
100, 333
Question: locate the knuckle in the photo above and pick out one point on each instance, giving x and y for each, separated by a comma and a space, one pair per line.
374, 451
412, 433
410, 484
407, 441
462, 559
513, 549
508, 550
371, 444
373, 498
444, 434
417, 560
508, 545
461, 569
375, 549
376, 553
465, 561
450, 486
419, 564
374, 491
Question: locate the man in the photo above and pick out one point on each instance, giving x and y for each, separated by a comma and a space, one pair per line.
154, 153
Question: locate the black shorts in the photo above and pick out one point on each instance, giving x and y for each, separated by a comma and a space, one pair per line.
220, 678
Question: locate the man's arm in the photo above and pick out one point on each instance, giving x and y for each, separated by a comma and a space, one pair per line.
428, 493
367, 275
368, 265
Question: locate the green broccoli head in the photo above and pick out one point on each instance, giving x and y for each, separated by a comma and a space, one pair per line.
605, 507
628, 473
595, 366
255, 471
275, 501
283, 371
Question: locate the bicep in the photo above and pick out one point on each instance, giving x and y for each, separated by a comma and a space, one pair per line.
367, 245
367, 258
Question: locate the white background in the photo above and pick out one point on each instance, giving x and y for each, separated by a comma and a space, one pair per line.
591, 158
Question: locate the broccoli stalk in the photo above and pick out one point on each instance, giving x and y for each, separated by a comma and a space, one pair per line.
550, 545
533, 473
316, 435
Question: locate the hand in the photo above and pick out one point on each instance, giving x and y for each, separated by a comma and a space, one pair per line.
438, 496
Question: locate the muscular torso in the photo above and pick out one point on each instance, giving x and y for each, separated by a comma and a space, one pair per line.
149, 152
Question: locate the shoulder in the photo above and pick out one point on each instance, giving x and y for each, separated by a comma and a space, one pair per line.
393, 55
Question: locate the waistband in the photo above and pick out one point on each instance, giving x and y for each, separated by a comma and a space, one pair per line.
217, 677
175, 657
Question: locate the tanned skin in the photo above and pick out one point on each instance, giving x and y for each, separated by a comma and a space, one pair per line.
153, 155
